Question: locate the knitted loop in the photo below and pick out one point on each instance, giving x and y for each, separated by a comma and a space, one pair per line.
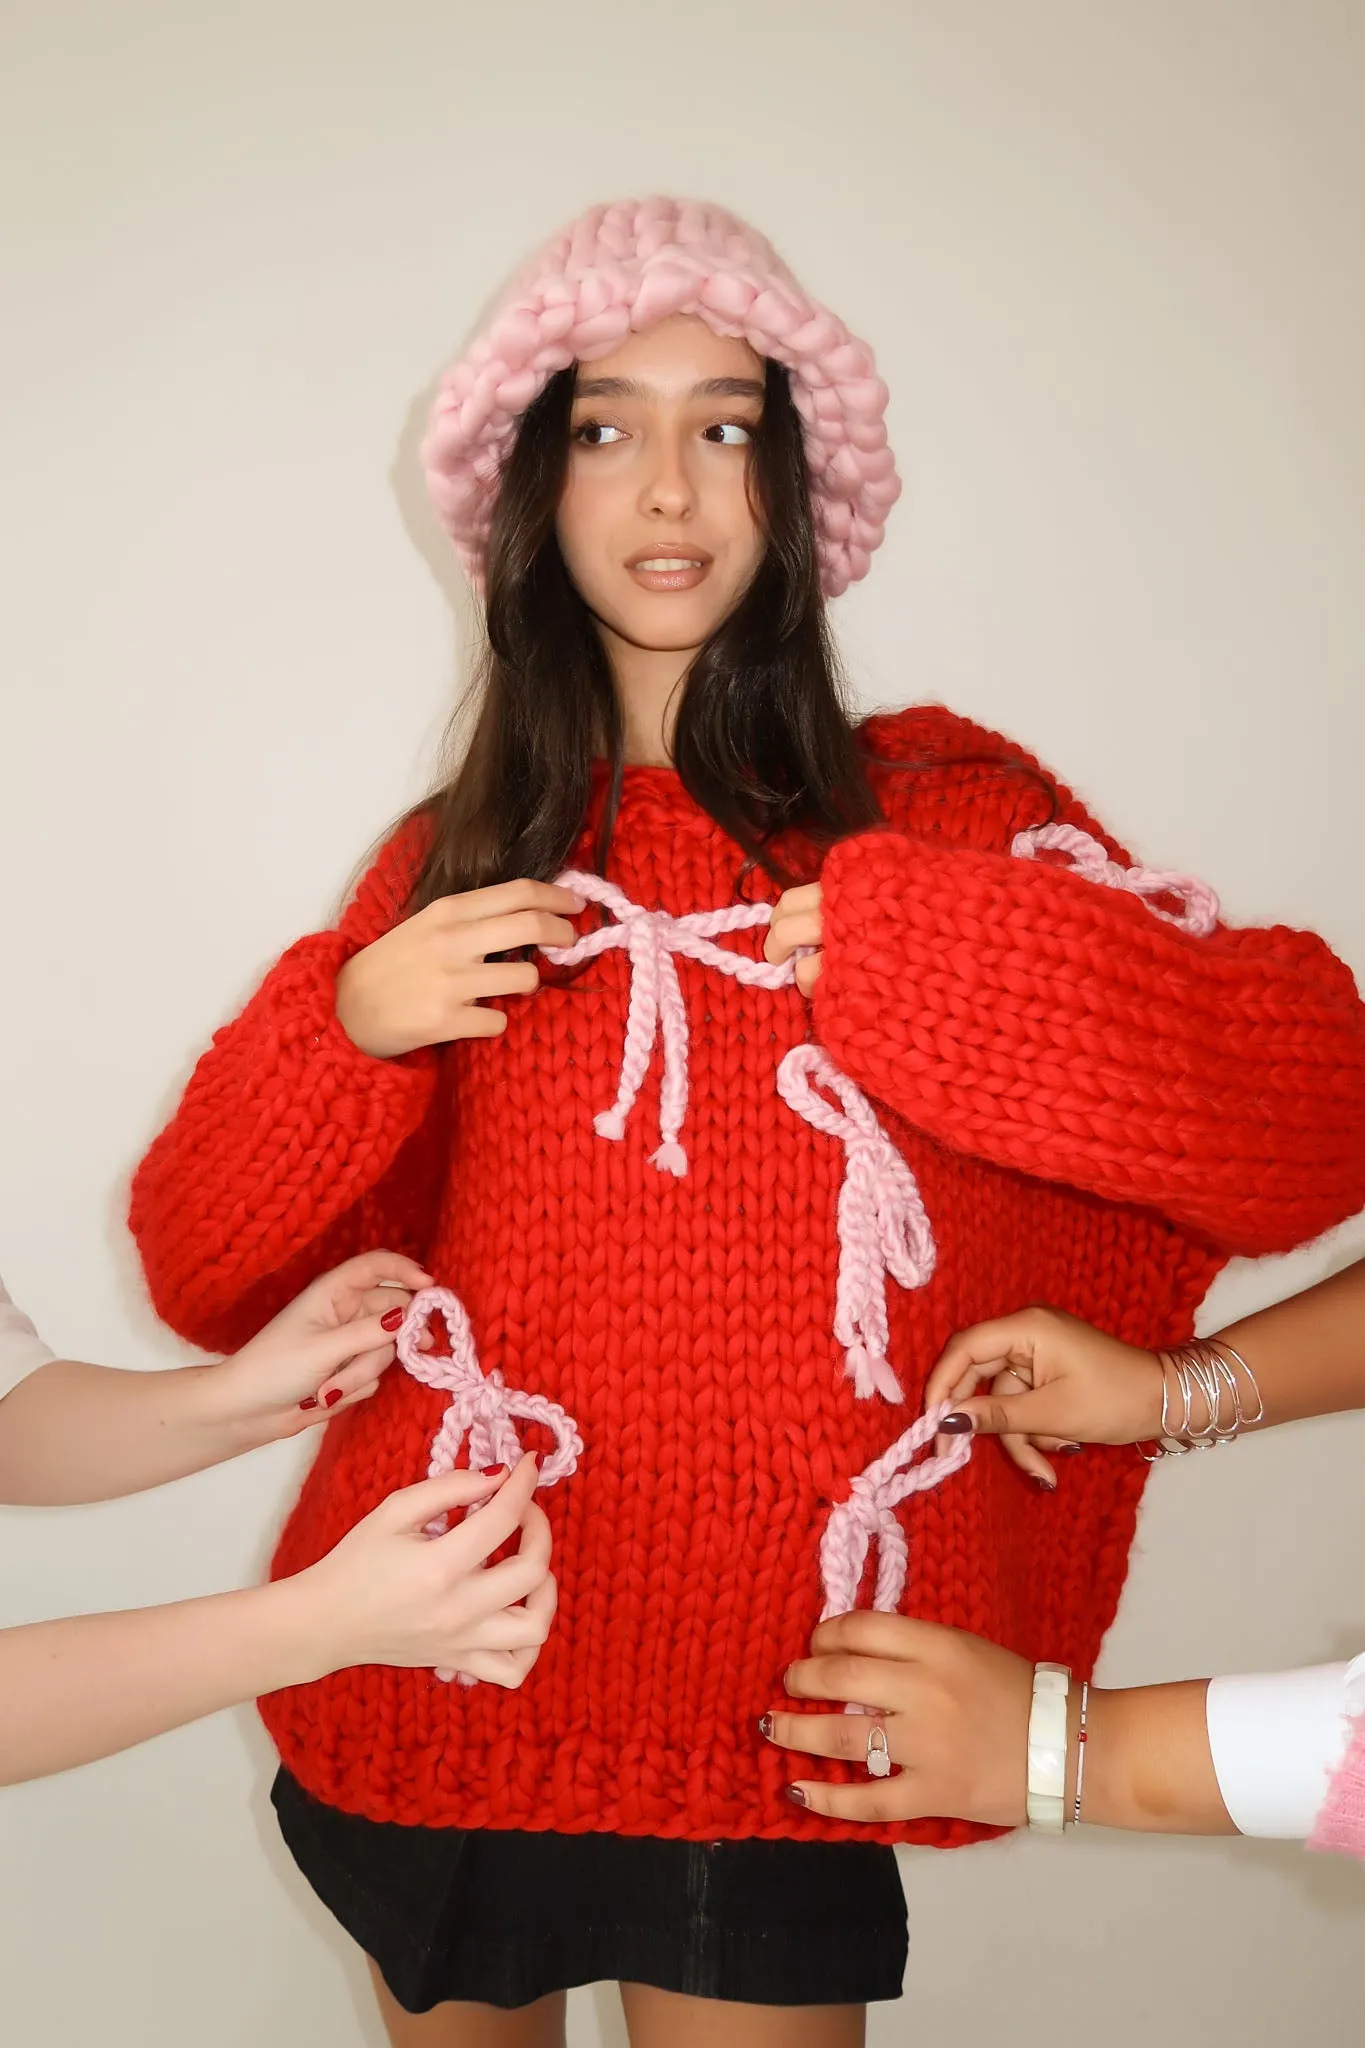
482, 1409
1087, 858
883, 1227
623, 268
868, 1515
651, 938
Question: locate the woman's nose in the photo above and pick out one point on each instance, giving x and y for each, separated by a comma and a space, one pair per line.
668, 490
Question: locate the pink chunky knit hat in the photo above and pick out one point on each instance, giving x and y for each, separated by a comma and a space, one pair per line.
622, 268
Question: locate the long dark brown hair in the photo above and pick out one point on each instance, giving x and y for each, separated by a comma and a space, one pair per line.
763, 739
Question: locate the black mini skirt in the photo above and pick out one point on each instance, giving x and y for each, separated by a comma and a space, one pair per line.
503, 1918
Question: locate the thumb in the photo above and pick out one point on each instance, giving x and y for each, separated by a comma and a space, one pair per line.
1042, 1411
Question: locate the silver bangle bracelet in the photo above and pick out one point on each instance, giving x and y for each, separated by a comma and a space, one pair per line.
1207, 1377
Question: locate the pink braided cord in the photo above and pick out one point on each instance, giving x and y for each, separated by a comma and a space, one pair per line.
482, 1407
651, 938
883, 1227
868, 1516
1086, 857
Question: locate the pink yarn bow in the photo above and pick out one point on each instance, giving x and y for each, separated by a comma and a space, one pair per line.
1088, 858
651, 938
868, 1515
882, 1223
482, 1406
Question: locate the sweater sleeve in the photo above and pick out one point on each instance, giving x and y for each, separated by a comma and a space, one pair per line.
1018, 1012
1340, 1824
291, 1149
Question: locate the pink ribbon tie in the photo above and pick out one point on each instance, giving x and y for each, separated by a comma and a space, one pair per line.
1087, 858
868, 1516
651, 938
482, 1407
882, 1223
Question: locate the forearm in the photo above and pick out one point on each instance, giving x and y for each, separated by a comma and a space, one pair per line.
1148, 1765
72, 1432
74, 1690
1308, 1353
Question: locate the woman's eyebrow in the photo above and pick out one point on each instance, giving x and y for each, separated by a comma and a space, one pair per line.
627, 387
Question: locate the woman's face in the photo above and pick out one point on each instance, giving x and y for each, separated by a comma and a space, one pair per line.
655, 524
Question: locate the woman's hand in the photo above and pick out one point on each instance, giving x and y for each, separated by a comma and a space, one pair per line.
954, 1710
1055, 1384
796, 923
390, 1594
321, 1355
427, 981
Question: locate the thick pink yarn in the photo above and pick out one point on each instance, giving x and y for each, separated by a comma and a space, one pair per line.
482, 1406
868, 1516
1083, 853
623, 268
881, 1220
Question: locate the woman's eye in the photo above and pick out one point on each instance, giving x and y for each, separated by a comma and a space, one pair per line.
596, 434
730, 434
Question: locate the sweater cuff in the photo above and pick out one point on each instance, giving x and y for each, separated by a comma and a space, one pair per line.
1275, 1738
323, 1039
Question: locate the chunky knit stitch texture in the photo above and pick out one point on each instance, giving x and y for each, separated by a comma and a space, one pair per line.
1341, 1823
1097, 1107
625, 267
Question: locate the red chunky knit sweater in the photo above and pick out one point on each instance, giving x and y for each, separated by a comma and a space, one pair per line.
1099, 1109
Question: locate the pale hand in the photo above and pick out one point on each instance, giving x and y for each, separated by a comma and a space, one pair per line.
390, 1594
954, 1710
795, 923
1055, 1384
428, 981
321, 1355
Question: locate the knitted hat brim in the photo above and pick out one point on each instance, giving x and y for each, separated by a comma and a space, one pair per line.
619, 270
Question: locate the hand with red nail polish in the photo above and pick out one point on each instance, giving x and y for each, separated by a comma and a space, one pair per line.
324, 1353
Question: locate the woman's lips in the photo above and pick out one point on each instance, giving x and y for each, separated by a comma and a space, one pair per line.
669, 569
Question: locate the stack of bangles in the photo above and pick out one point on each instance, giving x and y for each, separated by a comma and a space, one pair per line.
1209, 1396
1202, 1404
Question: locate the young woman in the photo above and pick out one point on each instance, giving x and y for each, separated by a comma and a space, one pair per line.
83, 1687
1272, 1754
663, 1205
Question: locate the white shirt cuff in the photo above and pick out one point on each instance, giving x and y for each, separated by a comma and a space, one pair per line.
1276, 1737
22, 1350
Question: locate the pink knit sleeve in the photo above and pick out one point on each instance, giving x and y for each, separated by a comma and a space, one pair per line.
1341, 1823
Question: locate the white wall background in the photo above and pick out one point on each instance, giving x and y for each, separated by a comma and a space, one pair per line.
1110, 256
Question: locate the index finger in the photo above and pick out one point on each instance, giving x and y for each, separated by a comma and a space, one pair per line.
866, 1633
379, 1269
859, 1681
792, 902
503, 899
977, 1354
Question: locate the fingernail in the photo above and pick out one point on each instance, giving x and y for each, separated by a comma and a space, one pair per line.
332, 1396
310, 1402
765, 1727
1048, 1485
494, 1472
956, 1425
1071, 1447
392, 1319
797, 1796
